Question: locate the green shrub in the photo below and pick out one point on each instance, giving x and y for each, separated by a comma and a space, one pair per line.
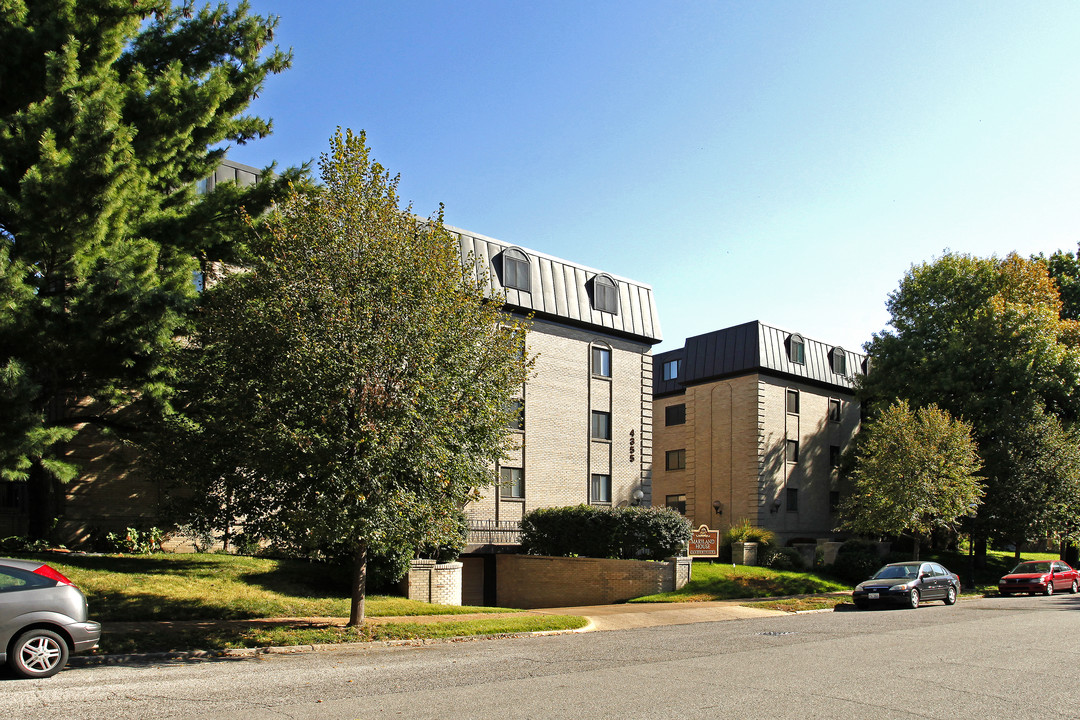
653, 533
18, 543
134, 541
745, 532
856, 560
785, 558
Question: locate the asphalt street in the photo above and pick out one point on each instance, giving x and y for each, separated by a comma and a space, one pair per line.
983, 658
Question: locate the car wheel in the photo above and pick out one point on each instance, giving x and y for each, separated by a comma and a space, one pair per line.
913, 599
1075, 587
950, 597
1049, 588
38, 653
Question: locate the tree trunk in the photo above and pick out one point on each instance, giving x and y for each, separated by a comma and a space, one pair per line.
42, 502
980, 552
1016, 550
915, 548
359, 585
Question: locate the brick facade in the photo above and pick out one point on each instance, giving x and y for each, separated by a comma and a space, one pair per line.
735, 437
533, 581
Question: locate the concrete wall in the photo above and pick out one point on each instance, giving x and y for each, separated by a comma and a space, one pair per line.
532, 581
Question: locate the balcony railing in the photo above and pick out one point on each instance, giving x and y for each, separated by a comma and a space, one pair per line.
494, 532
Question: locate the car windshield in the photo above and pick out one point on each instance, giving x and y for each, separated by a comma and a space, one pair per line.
1032, 567
890, 572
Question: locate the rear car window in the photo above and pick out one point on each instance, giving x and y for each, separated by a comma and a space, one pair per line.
12, 579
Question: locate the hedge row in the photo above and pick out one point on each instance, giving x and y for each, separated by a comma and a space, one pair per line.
651, 533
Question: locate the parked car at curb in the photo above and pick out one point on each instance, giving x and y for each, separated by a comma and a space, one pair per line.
1040, 577
908, 584
43, 619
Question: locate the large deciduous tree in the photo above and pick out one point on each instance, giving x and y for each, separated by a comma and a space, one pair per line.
914, 472
984, 339
108, 113
354, 381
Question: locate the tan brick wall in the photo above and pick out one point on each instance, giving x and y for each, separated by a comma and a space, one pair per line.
533, 581
721, 441
439, 583
812, 476
557, 452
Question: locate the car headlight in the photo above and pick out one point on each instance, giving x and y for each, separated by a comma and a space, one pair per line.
905, 586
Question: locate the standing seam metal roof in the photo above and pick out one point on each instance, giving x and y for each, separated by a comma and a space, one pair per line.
753, 346
560, 289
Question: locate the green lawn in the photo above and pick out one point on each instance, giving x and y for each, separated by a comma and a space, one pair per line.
723, 581
222, 587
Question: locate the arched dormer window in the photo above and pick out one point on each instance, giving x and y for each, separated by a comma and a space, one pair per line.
605, 294
838, 360
796, 349
515, 270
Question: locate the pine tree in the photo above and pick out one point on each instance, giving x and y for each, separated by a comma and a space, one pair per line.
108, 113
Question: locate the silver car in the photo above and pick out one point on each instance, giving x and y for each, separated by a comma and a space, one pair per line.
42, 619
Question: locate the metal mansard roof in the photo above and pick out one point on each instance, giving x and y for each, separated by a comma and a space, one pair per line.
755, 347
564, 291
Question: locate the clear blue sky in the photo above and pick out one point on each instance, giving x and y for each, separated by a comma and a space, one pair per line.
779, 161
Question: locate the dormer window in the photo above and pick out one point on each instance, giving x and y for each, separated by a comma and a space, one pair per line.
797, 349
605, 296
838, 361
515, 267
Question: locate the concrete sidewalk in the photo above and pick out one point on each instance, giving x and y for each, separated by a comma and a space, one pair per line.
637, 615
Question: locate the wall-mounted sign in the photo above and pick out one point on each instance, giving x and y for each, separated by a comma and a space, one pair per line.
631, 446
704, 542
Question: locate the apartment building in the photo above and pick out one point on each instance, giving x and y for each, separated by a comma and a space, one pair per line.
584, 434
749, 423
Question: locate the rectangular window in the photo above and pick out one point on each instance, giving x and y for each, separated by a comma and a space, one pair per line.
792, 500
839, 363
601, 361
793, 401
512, 483
515, 272
834, 456
834, 410
671, 369
675, 414
676, 503
834, 500
601, 425
675, 460
793, 451
517, 420
601, 488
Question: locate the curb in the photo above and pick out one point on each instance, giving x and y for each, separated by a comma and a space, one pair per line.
238, 653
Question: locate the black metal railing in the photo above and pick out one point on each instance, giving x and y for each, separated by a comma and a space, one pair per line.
494, 532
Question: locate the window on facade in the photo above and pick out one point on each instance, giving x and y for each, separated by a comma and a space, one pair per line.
675, 414
834, 500
675, 460
515, 270
601, 361
512, 483
793, 451
793, 401
797, 349
517, 420
834, 456
601, 425
676, 503
792, 500
605, 294
838, 360
601, 488
671, 369
834, 410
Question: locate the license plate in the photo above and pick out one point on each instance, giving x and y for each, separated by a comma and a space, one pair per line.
873, 596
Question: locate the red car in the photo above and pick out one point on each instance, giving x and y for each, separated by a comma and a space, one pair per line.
1040, 576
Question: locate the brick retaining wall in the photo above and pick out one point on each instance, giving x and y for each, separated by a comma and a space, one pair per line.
532, 581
